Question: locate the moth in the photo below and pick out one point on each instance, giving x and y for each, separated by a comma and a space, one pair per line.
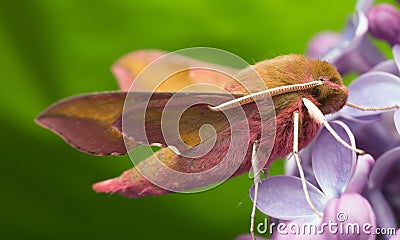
301, 90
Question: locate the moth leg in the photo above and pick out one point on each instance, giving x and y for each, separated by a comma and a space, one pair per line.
362, 108
257, 180
296, 155
319, 117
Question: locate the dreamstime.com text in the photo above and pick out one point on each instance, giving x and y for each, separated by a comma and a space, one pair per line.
340, 226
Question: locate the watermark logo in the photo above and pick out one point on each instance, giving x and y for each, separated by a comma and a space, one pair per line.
342, 216
338, 226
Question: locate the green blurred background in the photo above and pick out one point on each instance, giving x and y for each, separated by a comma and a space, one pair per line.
51, 49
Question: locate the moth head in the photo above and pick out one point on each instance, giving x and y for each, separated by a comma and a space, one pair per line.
332, 94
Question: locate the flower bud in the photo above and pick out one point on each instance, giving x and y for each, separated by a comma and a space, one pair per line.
321, 43
384, 23
350, 209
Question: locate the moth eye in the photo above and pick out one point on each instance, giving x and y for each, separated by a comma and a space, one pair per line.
321, 79
315, 92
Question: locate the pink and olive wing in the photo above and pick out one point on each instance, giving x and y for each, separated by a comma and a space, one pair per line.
199, 165
188, 72
229, 157
92, 123
85, 122
182, 120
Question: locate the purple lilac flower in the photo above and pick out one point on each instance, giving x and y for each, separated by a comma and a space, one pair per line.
383, 188
378, 134
354, 51
384, 23
375, 88
381, 140
340, 182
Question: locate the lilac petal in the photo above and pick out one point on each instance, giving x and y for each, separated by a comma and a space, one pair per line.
355, 52
383, 167
282, 197
361, 174
321, 43
364, 5
388, 66
397, 120
392, 194
290, 166
305, 156
358, 120
396, 55
363, 56
383, 211
353, 209
333, 164
361, 24
347, 42
367, 118
397, 236
377, 137
377, 89
293, 233
248, 237
360, 55
355, 31
395, 144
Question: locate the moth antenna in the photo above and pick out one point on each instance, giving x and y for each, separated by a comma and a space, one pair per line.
352, 105
269, 92
257, 180
298, 162
319, 117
